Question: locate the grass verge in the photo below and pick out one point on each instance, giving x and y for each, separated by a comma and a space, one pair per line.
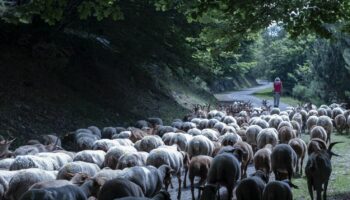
338, 187
267, 94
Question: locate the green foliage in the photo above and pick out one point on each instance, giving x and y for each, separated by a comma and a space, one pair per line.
55, 11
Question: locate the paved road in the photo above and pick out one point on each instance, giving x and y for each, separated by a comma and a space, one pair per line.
247, 95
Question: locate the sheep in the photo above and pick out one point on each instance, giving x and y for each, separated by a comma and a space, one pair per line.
203, 124
199, 166
327, 124
187, 126
23, 179
299, 146
5, 177
312, 113
91, 156
252, 134
211, 134
285, 133
285, 118
275, 121
119, 187
136, 134
337, 111
267, 136
95, 130
171, 157
252, 187
84, 139
113, 154
200, 145
66, 192
311, 122
155, 121
6, 163
36, 148
224, 170
315, 144
262, 159
31, 161
318, 170
262, 123
149, 178
132, 159
279, 190
51, 140
161, 130
70, 169
284, 123
141, 124
212, 122
242, 133
108, 174
194, 131
318, 132
298, 118
150, 142
322, 112
247, 156
59, 157
219, 126
122, 135
77, 179
296, 127
180, 139
229, 120
283, 161
340, 123
106, 144
230, 139
275, 111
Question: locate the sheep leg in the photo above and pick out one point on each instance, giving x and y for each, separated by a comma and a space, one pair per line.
318, 194
242, 172
245, 170
297, 168
309, 186
325, 190
185, 178
301, 166
192, 186
229, 192
179, 189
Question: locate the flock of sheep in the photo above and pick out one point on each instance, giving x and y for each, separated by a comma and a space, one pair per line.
217, 146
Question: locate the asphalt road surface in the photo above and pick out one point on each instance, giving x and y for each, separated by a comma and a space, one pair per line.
247, 95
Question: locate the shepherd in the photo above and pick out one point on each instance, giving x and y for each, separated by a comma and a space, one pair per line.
277, 90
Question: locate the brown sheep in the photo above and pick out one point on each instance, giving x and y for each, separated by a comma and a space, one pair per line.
199, 166
247, 157
299, 146
285, 133
318, 132
262, 159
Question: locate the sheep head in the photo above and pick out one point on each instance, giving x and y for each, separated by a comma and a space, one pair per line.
4, 148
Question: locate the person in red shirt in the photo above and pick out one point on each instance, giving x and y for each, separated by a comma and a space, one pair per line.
277, 90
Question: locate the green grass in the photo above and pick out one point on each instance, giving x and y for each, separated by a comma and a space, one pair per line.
338, 187
267, 94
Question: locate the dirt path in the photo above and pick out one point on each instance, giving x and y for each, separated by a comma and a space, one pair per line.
247, 95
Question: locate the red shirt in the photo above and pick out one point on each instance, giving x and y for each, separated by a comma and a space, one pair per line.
277, 86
